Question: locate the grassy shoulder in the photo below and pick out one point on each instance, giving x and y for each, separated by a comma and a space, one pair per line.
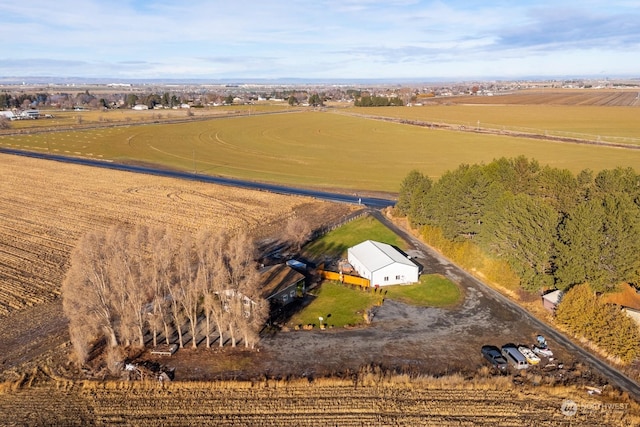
342, 305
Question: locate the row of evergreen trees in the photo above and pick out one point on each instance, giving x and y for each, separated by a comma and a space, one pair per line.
554, 228
378, 101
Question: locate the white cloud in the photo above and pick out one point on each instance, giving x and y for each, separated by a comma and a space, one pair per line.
321, 39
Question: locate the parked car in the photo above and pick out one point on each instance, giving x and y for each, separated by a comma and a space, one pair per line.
528, 354
511, 353
492, 354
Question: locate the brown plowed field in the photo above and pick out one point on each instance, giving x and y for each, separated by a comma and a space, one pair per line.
364, 401
598, 97
46, 206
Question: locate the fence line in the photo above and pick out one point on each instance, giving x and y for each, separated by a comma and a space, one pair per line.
345, 278
324, 230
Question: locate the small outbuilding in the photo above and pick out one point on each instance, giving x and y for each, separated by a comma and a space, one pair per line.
382, 264
551, 300
632, 313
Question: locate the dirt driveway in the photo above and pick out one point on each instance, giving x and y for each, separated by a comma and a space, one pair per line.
402, 337
405, 338
408, 338
429, 340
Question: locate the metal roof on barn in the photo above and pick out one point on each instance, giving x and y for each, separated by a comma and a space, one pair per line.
375, 255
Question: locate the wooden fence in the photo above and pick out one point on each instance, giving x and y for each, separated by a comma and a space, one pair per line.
345, 278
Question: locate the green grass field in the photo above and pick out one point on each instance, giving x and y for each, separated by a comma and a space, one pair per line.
432, 291
342, 305
336, 242
579, 120
338, 305
317, 149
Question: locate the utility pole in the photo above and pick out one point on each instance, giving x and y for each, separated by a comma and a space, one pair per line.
194, 163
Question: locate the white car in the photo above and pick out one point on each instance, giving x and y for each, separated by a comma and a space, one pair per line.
543, 351
529, 355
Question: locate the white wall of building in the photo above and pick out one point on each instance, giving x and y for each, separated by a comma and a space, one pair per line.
382, 264
394, 274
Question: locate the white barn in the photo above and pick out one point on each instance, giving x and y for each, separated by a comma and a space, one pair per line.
382, 264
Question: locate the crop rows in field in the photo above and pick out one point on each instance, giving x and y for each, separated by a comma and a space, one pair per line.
594, 123
330, 150
293, 404
618, 98
46, 206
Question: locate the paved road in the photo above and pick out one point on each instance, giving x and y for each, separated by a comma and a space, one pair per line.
505, 310
371, 202
436, 263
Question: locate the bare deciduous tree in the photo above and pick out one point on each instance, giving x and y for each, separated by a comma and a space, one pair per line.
5, 123
86, 294
163, 272
242, 282
298, 232
211, 277
128, 282
189, 294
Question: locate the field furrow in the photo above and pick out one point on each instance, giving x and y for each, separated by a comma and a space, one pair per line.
294, 404
47, 206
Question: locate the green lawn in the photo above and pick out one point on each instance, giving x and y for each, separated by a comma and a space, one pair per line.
432, 291
336, 242
342, 305
338, 305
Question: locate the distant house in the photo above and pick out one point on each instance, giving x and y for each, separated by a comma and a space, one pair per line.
140, 107
8, 114
30, 114
628, 298
632, 313
280, 284
382, 264
551, 300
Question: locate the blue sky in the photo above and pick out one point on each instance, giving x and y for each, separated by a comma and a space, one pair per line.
320, 39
